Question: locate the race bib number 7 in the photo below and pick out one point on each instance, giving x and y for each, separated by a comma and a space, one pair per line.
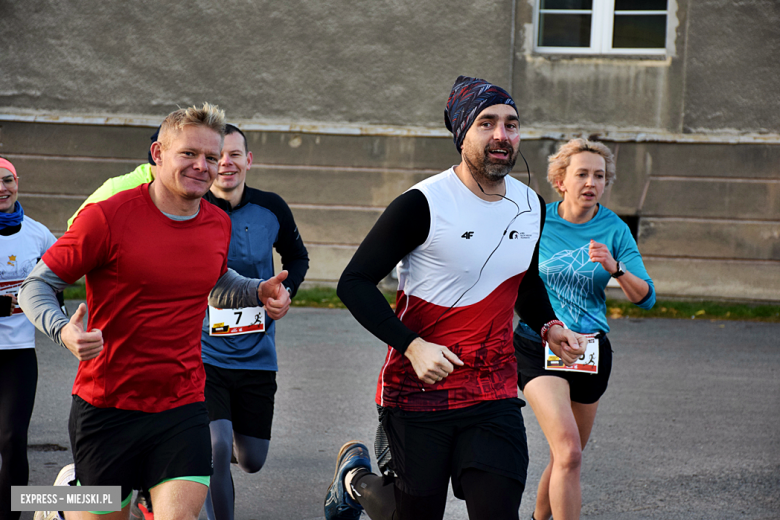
234, 322
588, 362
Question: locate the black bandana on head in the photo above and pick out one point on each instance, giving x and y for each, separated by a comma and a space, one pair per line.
468, 98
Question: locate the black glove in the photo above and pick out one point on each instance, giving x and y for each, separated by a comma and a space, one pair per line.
6, 303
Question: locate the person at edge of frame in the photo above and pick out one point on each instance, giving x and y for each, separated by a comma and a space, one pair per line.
23, 241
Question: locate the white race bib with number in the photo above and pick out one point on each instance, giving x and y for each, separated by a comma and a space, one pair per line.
588, 362
234, 322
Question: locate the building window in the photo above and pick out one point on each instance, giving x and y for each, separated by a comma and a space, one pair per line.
601, 26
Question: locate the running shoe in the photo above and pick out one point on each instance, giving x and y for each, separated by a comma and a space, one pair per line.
142, 507
64, 478
338, 504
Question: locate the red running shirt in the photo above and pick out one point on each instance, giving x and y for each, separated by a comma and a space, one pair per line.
148, 280
458, 289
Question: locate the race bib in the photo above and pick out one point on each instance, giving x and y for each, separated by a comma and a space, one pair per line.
588, 362
234, 322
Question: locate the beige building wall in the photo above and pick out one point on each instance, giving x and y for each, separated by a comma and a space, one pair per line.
343, 104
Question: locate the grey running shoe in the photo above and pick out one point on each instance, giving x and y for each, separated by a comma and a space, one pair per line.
142, 507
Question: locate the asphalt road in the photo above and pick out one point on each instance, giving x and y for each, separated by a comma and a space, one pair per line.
688, 429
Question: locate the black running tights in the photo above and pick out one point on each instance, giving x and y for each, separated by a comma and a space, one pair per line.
18, 381
488, 497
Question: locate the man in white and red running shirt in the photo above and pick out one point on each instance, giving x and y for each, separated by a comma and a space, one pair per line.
466, 245
154, 257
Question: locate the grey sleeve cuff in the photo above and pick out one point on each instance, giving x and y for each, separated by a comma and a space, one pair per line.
38, 300
233, 291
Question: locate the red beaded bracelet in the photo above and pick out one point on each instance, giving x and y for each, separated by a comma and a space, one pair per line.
547, 326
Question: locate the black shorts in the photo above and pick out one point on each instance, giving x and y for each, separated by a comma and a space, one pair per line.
583, 388
138, 450
430, 448
245, 397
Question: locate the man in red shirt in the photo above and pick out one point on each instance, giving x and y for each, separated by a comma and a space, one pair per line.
154, 257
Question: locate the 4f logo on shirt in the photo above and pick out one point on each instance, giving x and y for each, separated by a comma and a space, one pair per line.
467, 235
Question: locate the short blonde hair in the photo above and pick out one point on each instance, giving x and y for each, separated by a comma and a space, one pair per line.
558, 162
209, 116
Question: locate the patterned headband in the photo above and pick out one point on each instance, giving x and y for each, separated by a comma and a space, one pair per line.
468, 98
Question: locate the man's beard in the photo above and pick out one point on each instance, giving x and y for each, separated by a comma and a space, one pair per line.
489, 169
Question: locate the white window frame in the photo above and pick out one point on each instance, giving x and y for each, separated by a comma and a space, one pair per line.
602, 21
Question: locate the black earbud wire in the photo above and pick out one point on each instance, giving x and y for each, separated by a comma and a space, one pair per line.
528, 202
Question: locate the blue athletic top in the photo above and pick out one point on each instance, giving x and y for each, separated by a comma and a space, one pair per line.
575, 284
261, 222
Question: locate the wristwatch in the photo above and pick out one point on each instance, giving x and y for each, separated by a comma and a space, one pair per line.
621, 270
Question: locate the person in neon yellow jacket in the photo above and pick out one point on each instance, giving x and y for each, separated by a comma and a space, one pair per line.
141, 175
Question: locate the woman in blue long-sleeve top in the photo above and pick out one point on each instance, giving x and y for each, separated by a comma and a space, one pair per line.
583, 245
